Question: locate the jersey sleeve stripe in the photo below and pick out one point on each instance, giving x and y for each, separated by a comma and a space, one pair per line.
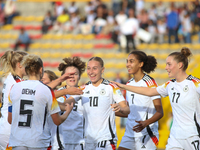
115, 88
150, 81
54, 102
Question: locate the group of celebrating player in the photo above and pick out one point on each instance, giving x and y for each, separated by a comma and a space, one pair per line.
83, 118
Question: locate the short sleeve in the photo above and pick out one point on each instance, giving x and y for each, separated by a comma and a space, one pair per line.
76, 97
162, 90
117, 94
53, 104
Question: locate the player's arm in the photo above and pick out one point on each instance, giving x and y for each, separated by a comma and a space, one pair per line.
121, 109
68, 101
70, 91
57, 119
158, 115
139, 90
56, 82
10, 114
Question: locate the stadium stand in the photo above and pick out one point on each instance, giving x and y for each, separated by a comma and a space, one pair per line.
53, 47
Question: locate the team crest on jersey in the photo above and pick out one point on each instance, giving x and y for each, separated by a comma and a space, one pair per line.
102, 92
186, 88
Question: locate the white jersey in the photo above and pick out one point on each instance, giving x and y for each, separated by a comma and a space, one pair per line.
141, 107
184, 98
30, 103
71, 130
5, 127
98, 114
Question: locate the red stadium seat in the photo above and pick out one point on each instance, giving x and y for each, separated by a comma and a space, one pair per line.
98, 46
54, 64
46, 64
2, 53
77, 54
87, 55
17, 27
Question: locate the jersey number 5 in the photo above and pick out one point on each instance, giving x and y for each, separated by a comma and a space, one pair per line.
27, 112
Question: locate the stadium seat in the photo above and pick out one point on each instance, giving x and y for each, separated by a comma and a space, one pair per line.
47, 36
65, 55
57, 37
67, 46
87, 46
175, 47
4, 45
56, 55
164, 46
109, 65
153, 46
142, 46
109, 75
161, 66
121, 56
46, 64
109, 55
154, 75
99, 55
120, 65
163, 76
195, 46
46, 46
77, 46
87, 55
77, 54
54, 64
67, 36
35, 46
7, 27
56, 46
45, 55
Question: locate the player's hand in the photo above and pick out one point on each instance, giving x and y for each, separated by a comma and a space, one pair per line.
116, 107
66, 76
140, 126
118, 84
69, 107
73, 91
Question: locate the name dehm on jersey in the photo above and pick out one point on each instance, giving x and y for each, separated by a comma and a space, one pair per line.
28, 91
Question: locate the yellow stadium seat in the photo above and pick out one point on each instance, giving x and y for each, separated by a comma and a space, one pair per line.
47, 36
84, 75
162, 56
7, 27
58, 73
4, 45
99, 55
18, 18
195, 37
77, 46
109, 75
39, 18
121, 56
56, 46
142, 46
195, 46
120, 65
175, 47
45, 55
78, 37
29, 18
37, 53
57, 37
46, 46
67, 46
164, 46
56, 55
152, 46
161, 66
186, 45
109, 65
123, 74
163, 76
109, 55
35, 45
65, 55
88, 46
154, 75
67, 36
89, 37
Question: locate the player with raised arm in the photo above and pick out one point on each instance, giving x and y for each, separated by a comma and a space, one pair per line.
101, 99
184, 94
14, 72
72, 127
142, 123
30, 102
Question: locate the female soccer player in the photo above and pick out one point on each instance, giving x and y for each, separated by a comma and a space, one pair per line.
48, 76
72, 127
141, 126
101, 99
184, 93
30, 102
14, 72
